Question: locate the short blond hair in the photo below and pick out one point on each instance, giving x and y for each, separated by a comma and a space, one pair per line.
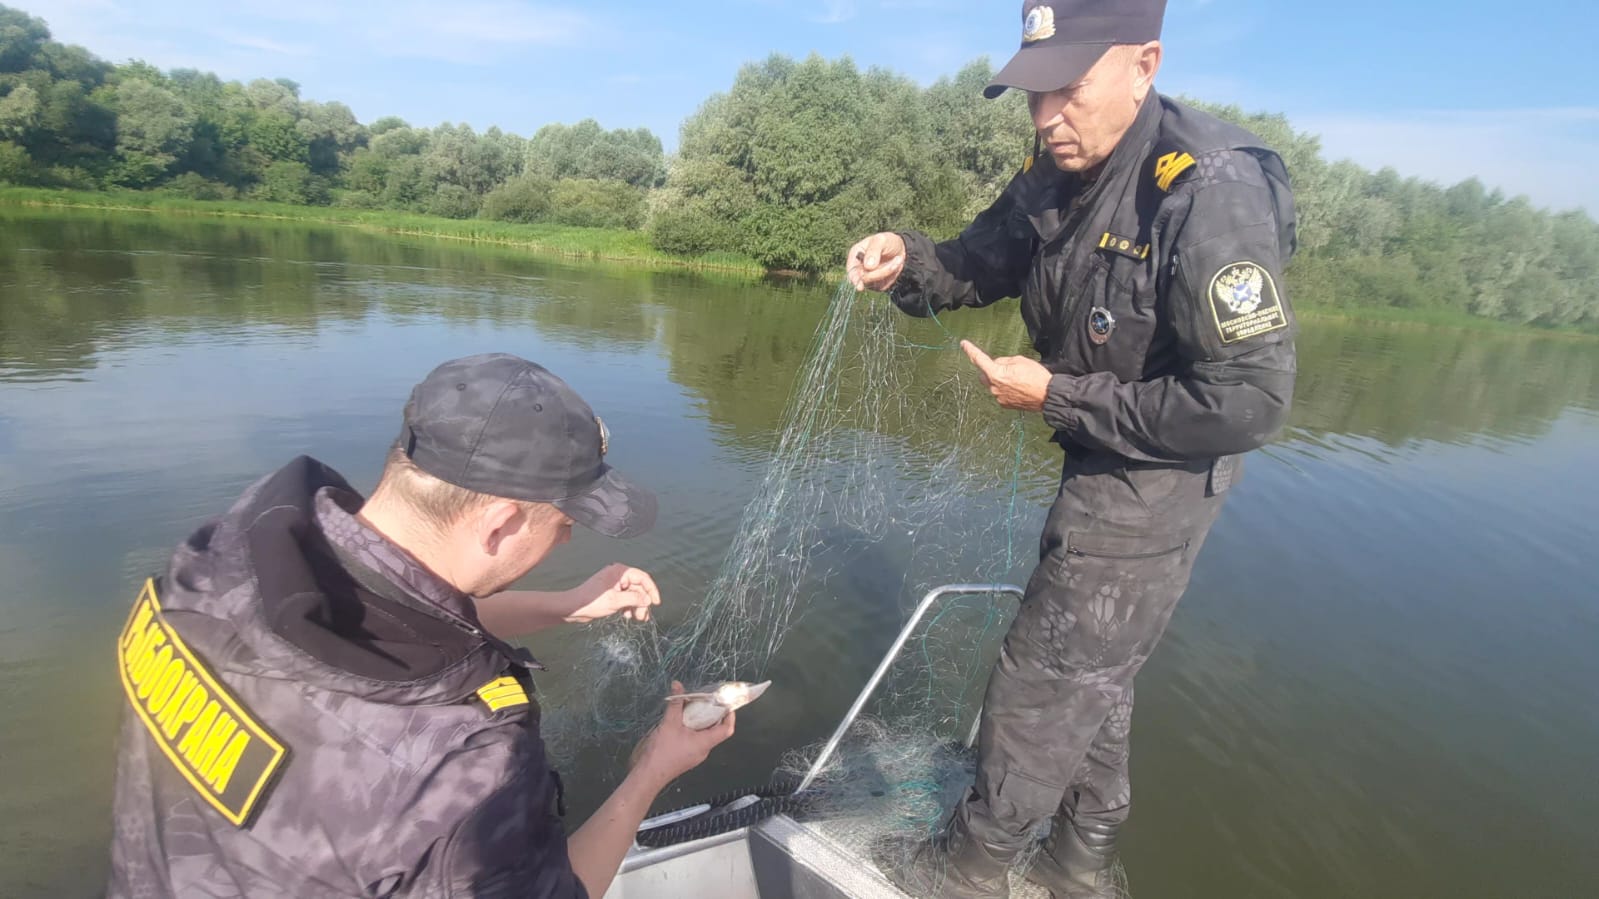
438, 503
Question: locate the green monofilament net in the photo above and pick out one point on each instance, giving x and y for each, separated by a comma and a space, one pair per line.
894, 472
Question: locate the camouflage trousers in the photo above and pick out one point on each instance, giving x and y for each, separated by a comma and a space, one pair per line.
1114, 559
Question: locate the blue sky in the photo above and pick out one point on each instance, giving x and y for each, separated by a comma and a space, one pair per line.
1439, 90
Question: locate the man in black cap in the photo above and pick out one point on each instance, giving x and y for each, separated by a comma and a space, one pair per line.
1146, 241
320, 701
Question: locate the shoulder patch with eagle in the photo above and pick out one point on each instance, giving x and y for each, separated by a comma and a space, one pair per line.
1244, 302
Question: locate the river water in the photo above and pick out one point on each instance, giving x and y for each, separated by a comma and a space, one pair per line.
1383, 681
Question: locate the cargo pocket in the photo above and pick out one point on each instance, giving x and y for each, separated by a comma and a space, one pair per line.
1153, 486
1119, 548
1122, 590
1025, 798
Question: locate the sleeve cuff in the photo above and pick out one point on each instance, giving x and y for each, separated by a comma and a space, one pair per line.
908, 293
1060, 412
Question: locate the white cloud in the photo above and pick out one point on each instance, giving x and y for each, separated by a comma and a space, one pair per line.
300, 12
104, 29
466, 31
265, 45
1547, 154
171, 36
836, 11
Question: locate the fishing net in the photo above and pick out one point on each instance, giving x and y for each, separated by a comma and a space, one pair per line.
889, 448
894, 472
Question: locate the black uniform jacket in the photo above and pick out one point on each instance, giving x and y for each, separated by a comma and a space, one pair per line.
1154, 291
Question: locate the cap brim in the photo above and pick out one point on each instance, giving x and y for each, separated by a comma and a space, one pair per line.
1045, 68
614, 506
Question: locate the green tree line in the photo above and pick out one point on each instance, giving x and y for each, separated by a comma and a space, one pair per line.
791, 164
68, 119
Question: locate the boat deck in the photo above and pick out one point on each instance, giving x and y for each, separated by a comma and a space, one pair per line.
780, 858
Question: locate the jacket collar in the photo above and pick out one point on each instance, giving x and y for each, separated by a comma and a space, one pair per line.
1058, 199
311, 620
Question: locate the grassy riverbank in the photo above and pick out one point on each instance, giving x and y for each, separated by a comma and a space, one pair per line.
1431, 318
613, 244
610, 244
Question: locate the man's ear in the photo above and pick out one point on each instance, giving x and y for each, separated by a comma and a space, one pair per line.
1147, 63
496, 521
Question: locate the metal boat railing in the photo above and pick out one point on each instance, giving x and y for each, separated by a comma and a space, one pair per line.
928, 600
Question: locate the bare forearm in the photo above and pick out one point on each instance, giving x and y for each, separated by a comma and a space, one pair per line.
517, 613
597, 848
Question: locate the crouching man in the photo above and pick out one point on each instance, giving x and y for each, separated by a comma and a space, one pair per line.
320, 698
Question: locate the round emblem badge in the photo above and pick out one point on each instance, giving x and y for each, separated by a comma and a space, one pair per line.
1039, 24
1100, 325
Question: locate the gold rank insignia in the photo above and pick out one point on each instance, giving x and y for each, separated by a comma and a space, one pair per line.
1168, 167
1039, 24
502, 693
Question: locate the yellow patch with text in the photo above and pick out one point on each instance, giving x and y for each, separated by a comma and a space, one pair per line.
212, 739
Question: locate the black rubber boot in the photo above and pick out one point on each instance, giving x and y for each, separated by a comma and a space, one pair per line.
1078, 861
954, 865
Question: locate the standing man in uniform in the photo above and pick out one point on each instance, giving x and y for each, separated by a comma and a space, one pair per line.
320, 699
1147, 243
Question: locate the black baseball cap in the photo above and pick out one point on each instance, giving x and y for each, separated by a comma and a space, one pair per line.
501, 425
1062, 39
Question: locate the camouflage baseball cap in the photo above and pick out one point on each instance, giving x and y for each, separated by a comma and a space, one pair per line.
1062, 39
501, 425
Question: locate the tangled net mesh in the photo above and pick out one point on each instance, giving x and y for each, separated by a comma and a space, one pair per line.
894, 473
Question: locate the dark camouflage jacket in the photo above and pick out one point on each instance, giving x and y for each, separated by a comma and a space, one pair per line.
1154, 292
311, 713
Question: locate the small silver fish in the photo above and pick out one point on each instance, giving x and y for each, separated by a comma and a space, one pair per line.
707, 707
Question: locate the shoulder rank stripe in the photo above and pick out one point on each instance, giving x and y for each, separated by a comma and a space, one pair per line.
1168, 167
1124, 245
502, 693
212, 739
